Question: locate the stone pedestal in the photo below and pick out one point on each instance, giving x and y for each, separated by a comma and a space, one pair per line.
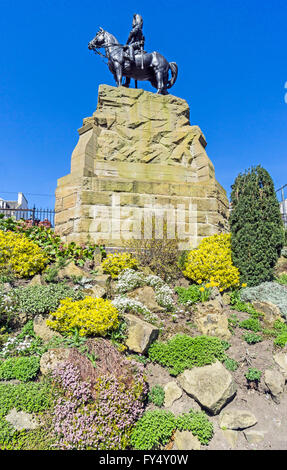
137, 156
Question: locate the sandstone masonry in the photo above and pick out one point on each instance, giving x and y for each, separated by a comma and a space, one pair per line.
136, 156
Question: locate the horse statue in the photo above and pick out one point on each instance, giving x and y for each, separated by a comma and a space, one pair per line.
152, 67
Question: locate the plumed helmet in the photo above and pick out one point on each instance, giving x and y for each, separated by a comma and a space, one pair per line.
137, 20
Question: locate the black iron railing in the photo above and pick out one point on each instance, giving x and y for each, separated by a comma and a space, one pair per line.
34, 216
283, 203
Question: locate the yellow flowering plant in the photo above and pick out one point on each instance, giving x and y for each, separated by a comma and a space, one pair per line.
211, 262
114, 263
89, 317
21, 255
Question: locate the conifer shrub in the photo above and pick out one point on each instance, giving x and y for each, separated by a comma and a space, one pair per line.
211, 262
257, 234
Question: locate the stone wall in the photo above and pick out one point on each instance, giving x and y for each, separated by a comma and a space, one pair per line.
136, 156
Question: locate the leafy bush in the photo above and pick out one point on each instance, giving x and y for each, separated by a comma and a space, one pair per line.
211, 262
267, 292
193, 294
129, 279
21, 368
282, 279
23, 256
230, 364
34, 300
158, 254
196, 422
51, 243
90, 317
156, 395
32, 397
256, 226
99, 417
253, 375
184, 352
153, 430
252, 324
252, 338
115, 263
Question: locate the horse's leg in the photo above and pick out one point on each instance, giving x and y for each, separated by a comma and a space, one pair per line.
127, 82
159, 81
118, 74
136, 83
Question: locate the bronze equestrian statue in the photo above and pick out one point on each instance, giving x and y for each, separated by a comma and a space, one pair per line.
131, 61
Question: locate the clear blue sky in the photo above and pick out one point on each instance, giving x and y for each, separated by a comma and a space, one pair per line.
232, 71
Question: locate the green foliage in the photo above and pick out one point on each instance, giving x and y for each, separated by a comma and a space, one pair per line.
192, 294
256, 226
32, 397
196, 422
156, 395
252, 324
153, 429
34, 300
184, 352
282, 279
253, 375
51, 243
21, 368
252, 338
230, 364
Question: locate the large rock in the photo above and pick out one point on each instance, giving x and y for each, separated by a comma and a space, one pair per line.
52, 358
140, 334
138, 151
212, 386
146, 296
42, 330
172, 393
236, 419
275, 383
185, 440
71, 270
281, 360
213, 324
270, 311
20, 420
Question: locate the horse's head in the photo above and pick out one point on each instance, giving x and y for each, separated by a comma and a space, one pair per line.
98, 41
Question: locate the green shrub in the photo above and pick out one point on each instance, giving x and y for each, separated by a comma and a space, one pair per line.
256, 226
251, 324
230, 364
196, 422
184, 352
21, 368
252, 338
156, 395
32, 397
253, 375
282, 279
153, 430
34, 300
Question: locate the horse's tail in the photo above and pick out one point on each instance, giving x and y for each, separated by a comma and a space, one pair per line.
174, 71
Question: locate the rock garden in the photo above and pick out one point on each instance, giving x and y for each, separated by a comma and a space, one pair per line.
143, 350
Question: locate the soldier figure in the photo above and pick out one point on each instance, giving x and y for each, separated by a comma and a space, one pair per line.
136, 38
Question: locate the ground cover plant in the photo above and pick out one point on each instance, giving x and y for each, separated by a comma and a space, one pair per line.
184, 352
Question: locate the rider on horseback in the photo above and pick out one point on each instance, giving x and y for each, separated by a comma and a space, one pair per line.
136, 38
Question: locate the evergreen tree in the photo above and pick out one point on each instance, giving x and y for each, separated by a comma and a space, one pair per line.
257, 233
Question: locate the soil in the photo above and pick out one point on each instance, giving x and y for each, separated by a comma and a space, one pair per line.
271, 416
